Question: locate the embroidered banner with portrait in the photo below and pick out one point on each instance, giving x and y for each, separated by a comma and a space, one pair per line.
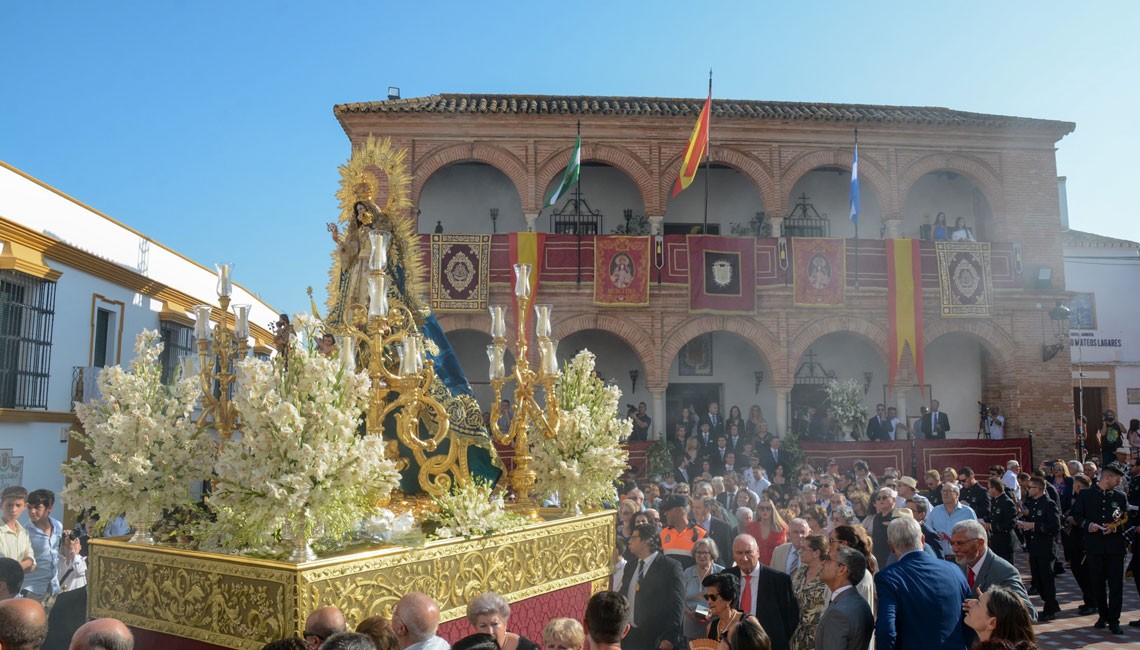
460, 272
722, 274
621, 271
819, 271
964, 279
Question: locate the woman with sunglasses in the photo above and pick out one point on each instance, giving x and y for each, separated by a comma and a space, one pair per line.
721, 592
769, 529
705, 556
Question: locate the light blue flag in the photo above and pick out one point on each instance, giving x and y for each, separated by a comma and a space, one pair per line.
855, 187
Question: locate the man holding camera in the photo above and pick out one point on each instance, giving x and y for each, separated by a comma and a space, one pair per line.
641, 422
1110, 437
995, 424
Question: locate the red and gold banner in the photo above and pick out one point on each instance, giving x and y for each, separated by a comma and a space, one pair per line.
904, 304
621, 271
460, 272
819, 271
722, 274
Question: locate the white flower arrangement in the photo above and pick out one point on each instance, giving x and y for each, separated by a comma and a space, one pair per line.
298, 459
582, 461
846, 400
471, 510
145, 446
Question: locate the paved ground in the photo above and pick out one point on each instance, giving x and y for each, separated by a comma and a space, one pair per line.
1072, 631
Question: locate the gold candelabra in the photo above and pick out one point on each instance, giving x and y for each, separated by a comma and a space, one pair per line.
399, 387
528, 412
219, 350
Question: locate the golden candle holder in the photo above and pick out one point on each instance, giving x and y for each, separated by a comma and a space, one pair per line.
219, 350
528, 412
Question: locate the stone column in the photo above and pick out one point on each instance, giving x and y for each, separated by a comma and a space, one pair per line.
900, 404
893, 223
655, 224
781, 412
531, 220
657, 396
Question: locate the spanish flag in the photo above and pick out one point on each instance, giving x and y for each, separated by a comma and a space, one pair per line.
698, 147
904, 304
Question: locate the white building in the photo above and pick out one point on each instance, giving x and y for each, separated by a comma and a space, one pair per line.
1104, 328
76, 287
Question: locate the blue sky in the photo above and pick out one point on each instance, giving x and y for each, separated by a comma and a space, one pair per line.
208, 125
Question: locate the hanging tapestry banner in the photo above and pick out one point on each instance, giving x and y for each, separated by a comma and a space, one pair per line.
722, 274
819, 271
964, 279
621, 271
460, 272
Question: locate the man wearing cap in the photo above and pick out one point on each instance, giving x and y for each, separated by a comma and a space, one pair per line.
1097, 510
678, 536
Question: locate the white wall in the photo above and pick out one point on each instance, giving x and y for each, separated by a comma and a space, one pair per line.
1111, 274
732, 198
734, 364
462, 195
953, 368
830, 193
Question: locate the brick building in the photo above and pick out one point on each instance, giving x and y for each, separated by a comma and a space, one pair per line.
484, 163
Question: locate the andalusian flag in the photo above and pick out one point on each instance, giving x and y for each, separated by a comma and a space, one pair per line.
570, 176
904, 304
698, 147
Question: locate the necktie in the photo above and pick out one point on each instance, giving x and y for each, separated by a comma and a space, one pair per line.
970, 577
746, 595
640, 570
775, 455
795, 563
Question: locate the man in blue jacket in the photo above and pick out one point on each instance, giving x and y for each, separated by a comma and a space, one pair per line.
920, 597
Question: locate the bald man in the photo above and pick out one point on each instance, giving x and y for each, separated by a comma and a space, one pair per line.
322, 624
415, 620
104, 634
23, 623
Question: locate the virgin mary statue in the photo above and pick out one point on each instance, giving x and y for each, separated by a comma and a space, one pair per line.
467, 452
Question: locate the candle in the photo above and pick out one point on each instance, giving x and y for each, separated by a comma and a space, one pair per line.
378, 295
495, 357
347, 353
225, 286
202, 324
522, 280
498, 321
551, 358
241, 321
542, 319
378, 259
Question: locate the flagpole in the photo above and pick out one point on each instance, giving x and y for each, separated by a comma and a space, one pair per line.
708, 147
856, 171
578, 207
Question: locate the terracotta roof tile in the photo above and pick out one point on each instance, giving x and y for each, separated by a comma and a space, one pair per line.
1082, 239
722, 109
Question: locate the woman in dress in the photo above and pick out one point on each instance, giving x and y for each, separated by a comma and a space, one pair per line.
721, 592
961, 232
680, 437
769, 530
488, 614
627, 508
734, 417
689, 421
752, 425
811, 593
705, 554
940, 232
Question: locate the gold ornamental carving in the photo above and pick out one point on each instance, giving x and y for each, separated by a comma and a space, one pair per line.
244, 602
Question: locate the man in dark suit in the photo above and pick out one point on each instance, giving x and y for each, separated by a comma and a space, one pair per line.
65, 617
736, 439
847, 623
770, 457
656, 594
706, 438
714, 419
982, 567
765, 593
1040, 523
936, 423
920, 597
878, 427
720, 531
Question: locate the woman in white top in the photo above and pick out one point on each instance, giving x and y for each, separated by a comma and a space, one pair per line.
961, 232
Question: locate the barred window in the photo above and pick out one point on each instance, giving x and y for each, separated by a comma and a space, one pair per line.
27, 313
178, 342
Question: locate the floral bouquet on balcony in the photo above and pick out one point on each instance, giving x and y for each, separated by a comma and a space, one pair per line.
298, 467
846, 400
581, 462
146, 449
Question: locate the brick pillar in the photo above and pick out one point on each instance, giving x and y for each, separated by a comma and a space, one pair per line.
655, 224
531, 220
893, 221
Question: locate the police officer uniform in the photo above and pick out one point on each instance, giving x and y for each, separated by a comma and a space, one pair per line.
1003, 515
978, 498
1043, 513
1104, 552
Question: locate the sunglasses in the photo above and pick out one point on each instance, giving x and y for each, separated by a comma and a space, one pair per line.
765, 508
712, 597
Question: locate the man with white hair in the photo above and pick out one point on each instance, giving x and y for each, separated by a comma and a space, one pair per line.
886, 500
743, 517
943, 517
1009, 479
786, 556
983, 567
920, 597
415, 620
